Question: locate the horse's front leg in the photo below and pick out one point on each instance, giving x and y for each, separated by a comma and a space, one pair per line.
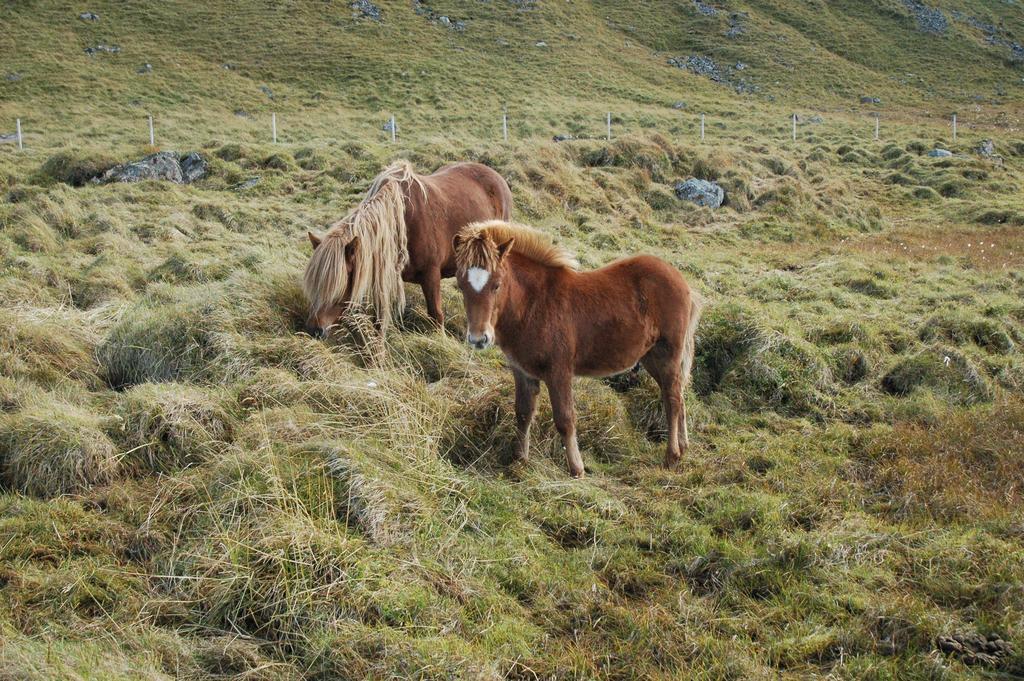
560, 392
430, 280
527, 390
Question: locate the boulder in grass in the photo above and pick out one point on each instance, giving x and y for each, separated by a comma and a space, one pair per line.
940, 153
701, 192
163, 165
193, 167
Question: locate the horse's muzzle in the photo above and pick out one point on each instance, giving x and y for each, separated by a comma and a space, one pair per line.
481, 342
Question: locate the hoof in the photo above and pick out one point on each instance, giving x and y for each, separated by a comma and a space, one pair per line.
577, 474
671, 462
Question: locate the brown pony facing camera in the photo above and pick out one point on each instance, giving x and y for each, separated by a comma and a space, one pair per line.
554, 322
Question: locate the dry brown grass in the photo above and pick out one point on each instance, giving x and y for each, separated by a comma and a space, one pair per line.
969, 467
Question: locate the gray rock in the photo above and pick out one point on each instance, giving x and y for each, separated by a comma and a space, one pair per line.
242, 113
163, 165
813, 120
193, 167
267, 91
228, 66
97, 49
929, 19
245, 184
12, 77
89, 16
387, 126
563, 138
736, 28
541, 43
703, 65
445, 21
145, 68
678, 106
366, 9
704, 8
940, 153
701, 192
865, 99
8, 138
986, 148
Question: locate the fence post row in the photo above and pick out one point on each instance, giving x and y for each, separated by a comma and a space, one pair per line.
19, 137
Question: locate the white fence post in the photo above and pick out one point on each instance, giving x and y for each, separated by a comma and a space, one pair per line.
152, 135
273, 127
702, 127
394, 131
609, 126
954, 127
504, 125
877, 117
21, 146
794, 127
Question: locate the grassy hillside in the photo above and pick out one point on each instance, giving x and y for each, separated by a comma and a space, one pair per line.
191, 487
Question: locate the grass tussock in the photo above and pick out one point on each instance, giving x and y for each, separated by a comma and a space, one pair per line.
75, 168
165, 426
49, 448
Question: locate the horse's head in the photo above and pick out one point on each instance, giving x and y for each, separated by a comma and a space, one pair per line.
482, 268
329, 279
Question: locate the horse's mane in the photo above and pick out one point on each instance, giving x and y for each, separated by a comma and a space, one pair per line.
382, 253
478, 246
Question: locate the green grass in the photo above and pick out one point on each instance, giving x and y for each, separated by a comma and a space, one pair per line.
190, 487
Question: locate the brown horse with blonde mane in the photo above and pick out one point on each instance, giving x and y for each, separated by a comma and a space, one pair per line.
401, 231
554, 322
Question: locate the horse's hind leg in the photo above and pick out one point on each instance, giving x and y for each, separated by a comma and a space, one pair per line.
663, 363
430, 280
560, 392
527, 390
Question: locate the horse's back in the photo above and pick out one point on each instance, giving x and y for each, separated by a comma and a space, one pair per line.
456, 195
468, 181
648, 271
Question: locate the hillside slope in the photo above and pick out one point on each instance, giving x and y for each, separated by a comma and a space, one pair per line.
192, 487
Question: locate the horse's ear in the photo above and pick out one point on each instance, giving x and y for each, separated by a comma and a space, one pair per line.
457, 241
350, 248
504, 248
313, 239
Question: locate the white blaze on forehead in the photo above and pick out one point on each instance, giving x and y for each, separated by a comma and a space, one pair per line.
478, 278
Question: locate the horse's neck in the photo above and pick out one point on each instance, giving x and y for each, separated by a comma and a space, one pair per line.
526, 284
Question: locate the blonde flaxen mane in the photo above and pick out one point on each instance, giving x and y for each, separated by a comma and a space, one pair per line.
478, 246
380, 256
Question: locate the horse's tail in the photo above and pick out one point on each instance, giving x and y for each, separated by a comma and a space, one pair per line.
689, 338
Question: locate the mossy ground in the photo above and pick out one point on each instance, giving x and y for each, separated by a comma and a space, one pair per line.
191, 487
